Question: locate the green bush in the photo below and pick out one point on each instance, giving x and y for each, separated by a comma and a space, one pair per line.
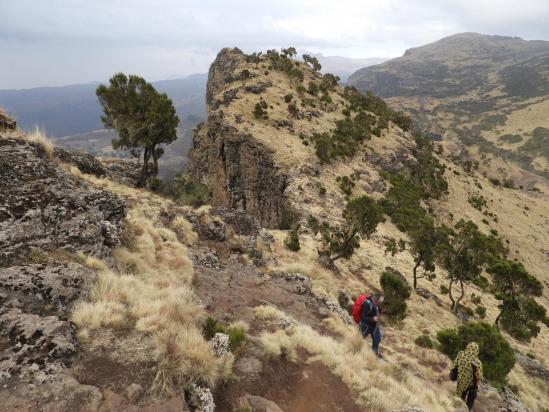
480, 311
424, 341
211, 327
186, 190
346, 184
497, 356
237, 334
321, 190
237, 337
292, 241
288, 98
260, 110
477, 201
475, 299
444, 290
396, 292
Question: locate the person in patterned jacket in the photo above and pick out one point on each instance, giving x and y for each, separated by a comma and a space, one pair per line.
469, 373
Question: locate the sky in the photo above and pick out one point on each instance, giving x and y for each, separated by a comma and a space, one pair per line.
60, 42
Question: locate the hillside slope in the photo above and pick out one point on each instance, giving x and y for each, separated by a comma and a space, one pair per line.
266, 162
491, 91
208, 309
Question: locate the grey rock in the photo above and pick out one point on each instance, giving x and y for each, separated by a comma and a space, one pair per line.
134, 392
248, 366
532, 367
34, 286
241, 221
257, 404
85, 162
45, 341
47, 208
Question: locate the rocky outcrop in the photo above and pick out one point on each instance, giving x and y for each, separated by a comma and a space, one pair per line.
124, 171
85, 162
223, 66
46, 213
45, 208
240, 171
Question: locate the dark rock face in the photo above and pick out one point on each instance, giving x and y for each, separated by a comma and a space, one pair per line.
45, 210
85, 162
45, 207
225, 63
242, 222
124, 171
240, 171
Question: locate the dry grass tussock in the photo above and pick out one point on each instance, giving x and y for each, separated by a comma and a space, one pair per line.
149, 292
37, 135
379, 386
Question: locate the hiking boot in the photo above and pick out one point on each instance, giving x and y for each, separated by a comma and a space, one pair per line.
378, 355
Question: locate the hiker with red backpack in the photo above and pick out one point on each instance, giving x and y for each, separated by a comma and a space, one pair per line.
366, 314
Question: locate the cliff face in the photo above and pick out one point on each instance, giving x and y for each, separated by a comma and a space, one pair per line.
239, 170
46, 215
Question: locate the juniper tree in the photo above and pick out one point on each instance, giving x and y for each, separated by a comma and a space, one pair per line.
143, 118
313, 62
425, 241
362, 216
515, 287
465, 255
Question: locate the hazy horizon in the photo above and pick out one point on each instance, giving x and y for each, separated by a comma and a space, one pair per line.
65, 42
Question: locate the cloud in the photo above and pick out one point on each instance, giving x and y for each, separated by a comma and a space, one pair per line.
67, 41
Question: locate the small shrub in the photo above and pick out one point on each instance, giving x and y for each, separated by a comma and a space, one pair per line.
288, 98
260, 110
480, 311
475, 299
187, 190
444, 290
477, 201
211, 327
497, 356
237, 336
292, 241
396, 292
424, 341
321, 190
293, 110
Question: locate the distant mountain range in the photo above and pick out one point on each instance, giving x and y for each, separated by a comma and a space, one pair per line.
68, 110
492, 91
345, 66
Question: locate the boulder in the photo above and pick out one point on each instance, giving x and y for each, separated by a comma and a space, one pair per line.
248, 366
47, 208
257, 404
134, 392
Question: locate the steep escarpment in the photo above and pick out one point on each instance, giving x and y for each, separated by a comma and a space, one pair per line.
257, 148
239, 170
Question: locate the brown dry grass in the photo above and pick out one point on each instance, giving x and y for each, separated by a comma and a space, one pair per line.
149, 292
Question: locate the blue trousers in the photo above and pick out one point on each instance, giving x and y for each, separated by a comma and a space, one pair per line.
372, 330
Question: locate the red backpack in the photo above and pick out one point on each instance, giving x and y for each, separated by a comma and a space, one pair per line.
357, 307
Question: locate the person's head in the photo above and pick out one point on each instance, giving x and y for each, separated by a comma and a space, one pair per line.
378, 298
472, 348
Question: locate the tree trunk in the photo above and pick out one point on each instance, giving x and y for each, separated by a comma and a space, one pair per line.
460, 296
499, 316
155, 160
450, 293
145, 168
415, 273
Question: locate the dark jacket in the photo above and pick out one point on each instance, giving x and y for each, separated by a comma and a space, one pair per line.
368, 311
